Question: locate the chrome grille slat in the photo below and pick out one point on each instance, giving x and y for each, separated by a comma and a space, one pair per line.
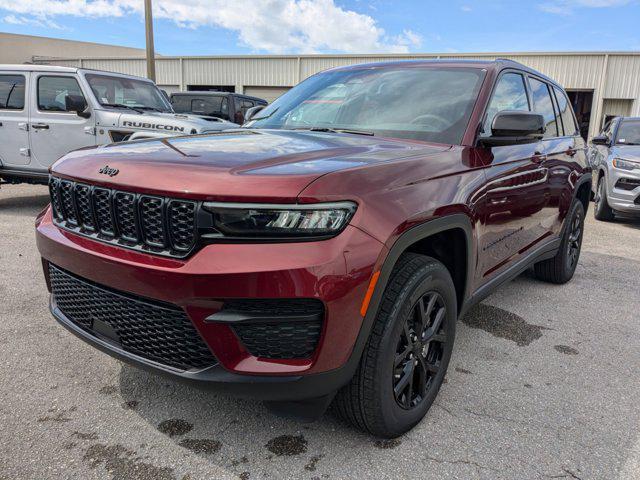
157, 225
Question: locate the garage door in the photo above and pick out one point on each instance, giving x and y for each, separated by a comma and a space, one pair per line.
268, 93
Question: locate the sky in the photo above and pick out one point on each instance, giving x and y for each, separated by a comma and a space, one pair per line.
230, 27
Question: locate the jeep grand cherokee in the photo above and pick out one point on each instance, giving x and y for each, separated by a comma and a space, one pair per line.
324, 252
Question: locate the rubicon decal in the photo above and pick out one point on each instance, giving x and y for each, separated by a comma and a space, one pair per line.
152, 126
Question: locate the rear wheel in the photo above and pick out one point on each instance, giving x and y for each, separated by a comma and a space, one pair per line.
407, 355
602, 210
561, 267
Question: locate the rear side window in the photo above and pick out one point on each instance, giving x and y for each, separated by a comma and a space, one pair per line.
12, 92
53, 90
543, 104
566, 114
510, 94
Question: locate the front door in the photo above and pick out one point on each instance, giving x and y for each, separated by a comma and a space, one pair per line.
54, 130
14, 119
516, 194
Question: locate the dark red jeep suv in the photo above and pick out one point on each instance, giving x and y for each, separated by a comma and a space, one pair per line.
323, 252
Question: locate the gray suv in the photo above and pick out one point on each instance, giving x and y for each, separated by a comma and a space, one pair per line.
615, 158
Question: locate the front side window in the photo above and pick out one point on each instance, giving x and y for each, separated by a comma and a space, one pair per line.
628, 133
566, 114
52, 92
510, 94
12, 92
430, 103
543, 104
127, 93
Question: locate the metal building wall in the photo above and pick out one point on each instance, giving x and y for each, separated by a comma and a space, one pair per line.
610, 75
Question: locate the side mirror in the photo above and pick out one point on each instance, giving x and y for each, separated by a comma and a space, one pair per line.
600, 140
511, 127
76, 103
251, 112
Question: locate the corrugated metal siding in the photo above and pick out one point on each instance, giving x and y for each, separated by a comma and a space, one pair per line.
623, 77
129, 66
238, 71
618, 107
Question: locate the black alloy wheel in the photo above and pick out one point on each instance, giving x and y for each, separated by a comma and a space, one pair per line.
419, 351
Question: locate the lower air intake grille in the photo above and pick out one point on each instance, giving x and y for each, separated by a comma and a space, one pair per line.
282, 329
158, 332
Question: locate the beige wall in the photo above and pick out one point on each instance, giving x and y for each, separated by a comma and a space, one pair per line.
25, 48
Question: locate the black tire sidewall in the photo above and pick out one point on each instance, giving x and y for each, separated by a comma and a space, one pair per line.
433, 277
577, 207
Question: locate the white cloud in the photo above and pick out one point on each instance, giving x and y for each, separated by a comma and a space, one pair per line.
567, 7
34, 22
275, 26
466, 8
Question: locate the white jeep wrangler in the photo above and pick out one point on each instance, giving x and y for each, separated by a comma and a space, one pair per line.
47, 111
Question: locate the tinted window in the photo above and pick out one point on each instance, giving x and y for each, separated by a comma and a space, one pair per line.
11, 92
427, 103
210, 106
510, 94
53, 90
565, 113
543, 104
628, 133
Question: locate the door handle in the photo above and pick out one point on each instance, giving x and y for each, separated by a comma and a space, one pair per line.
571, 152
40, 126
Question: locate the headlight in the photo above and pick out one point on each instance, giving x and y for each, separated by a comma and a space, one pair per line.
625, 164
238, 221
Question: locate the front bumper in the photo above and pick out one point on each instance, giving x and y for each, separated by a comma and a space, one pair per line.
335, 271
621, 199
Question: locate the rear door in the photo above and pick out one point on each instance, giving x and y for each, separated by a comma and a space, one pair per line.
54, 130
558, 151
14, 118
516, 193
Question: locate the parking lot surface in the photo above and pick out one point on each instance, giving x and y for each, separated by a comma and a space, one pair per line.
544, 383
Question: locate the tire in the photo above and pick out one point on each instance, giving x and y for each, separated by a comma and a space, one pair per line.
561, 267
602, 210
369, 401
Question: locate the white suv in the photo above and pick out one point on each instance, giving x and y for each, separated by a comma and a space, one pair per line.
47, 111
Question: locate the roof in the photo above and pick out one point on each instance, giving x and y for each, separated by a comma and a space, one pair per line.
56, 69
38, 68
497, 65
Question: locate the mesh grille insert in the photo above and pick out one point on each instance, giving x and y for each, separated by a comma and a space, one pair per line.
282, 337
158, 332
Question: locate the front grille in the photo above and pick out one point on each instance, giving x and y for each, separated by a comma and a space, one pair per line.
152, 224
282, 336
637, 200
154, 331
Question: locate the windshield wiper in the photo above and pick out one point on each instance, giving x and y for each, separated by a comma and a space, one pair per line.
266, 116
337, 130
122, 105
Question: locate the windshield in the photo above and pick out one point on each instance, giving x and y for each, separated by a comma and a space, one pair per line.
214, 106
125, 92
430, 103
629, 133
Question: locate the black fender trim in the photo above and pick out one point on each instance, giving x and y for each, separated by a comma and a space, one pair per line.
408, 238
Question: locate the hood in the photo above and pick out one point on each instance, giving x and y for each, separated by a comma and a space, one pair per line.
257, 165
632, 152
171, 123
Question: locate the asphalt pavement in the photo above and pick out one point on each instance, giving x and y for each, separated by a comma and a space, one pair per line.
544, 383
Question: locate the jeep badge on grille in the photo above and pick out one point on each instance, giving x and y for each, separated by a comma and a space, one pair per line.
107, 170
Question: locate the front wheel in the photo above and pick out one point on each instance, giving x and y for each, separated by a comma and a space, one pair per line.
602, 210
562, 266
407, 355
